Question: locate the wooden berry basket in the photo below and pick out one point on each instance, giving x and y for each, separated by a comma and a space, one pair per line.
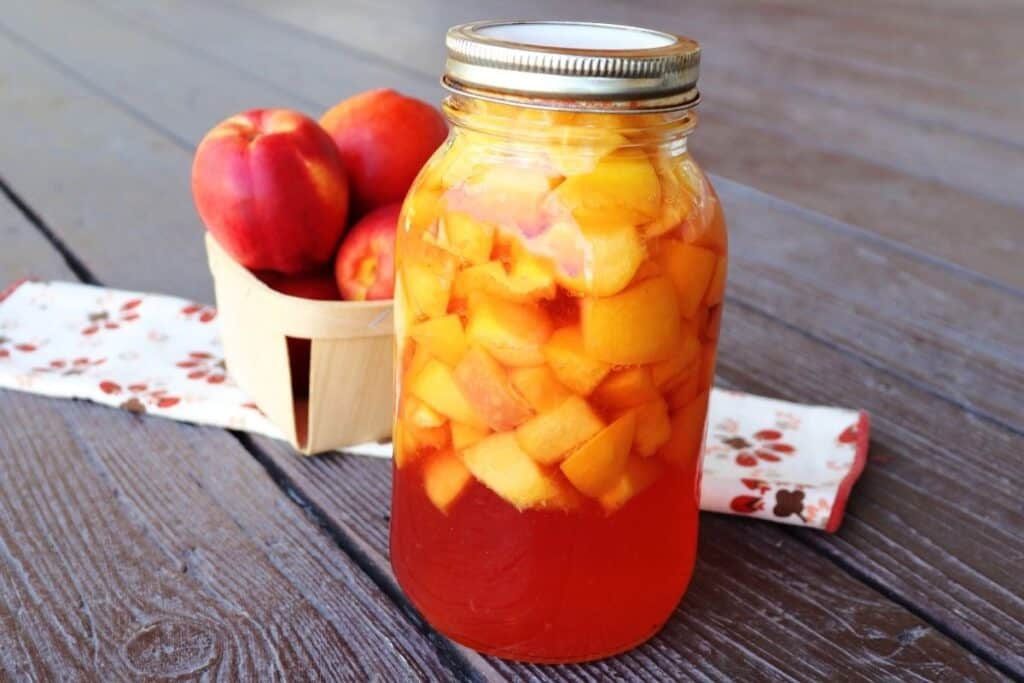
351, 358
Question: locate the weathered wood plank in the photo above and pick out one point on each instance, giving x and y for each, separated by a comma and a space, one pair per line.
795, 167
960, 338
24, 252
759, 605
139, 547
987, 167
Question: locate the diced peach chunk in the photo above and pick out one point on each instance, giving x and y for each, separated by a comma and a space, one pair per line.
667, 372
420, 357
622, 188
435, 385
464, 436
716, 290
653, 428
549, 437
519, 285
501, 465
677, 201
514, 333
506, 195
418, 413
611, 257
639, 474
706, 227
638, 325
442, 337
576, 149
445, 477
539, 386
485, 385
465, 237
532, 274
624, 389
427, 290
684, 392
690, 269
571, 365
417, 439
596, 465
683, 447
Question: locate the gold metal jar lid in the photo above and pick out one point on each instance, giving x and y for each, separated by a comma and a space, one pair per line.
573, 65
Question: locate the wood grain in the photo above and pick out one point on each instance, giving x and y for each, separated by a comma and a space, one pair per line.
178, 558
759, 605
138, 547
757, 132
821, 275
921, 355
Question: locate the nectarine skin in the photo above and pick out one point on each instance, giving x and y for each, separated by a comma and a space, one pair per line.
384, 138
270, 186
365, 265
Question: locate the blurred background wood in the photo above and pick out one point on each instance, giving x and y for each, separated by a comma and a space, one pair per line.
870, 160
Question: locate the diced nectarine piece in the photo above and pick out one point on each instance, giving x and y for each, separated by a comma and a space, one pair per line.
576, 149
690, 269
653, 428
624, 389
683, 447
639, 474
418, 413
685, 391
485, 385
549, 437
623, 187
501, 465
539, 386
519, 285
427, 289
532, 274
716, 290
445, 477
706, 226
514, 333
465, 237
611, 257
638, 325
420, 357
506, 195
677, 201
417, 439
403, 452
442, 337
435, 385
682, 361
707, 366
464, 436
596, 465
571, 365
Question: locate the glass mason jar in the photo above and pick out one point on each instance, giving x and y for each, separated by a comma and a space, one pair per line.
561, 263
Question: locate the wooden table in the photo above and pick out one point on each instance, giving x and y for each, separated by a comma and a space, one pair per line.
871, 163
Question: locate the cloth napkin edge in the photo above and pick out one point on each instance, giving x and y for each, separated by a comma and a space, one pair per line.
860, 459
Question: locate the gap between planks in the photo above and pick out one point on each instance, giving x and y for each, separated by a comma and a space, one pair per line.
56, 243
465, 664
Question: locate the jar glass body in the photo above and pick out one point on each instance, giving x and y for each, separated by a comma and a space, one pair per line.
558, 298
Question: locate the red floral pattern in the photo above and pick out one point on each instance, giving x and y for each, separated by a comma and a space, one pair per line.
763, 458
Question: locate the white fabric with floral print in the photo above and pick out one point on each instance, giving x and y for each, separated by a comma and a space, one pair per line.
161, 355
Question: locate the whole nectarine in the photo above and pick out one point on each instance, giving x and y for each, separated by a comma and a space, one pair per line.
384, 138
365, 265
320, 285
269, 185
